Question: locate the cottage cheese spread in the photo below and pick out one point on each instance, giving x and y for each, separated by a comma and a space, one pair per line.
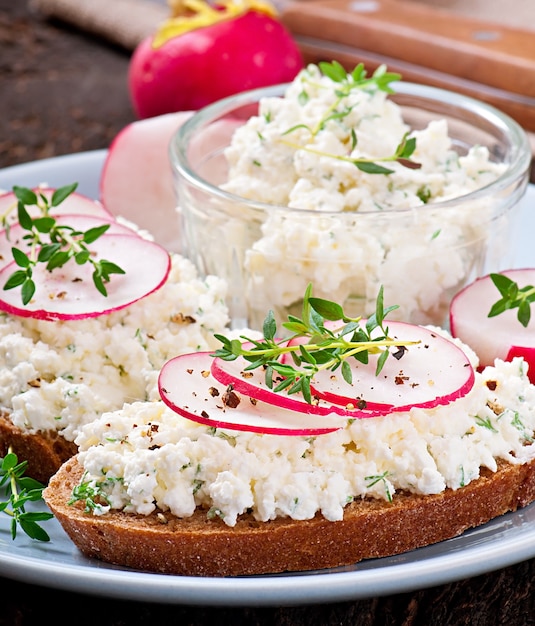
60, 375
146, 457
296, 152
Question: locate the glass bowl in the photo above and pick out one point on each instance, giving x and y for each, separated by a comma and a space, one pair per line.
421, 255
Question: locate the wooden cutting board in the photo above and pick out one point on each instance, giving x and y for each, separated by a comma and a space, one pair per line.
487, 60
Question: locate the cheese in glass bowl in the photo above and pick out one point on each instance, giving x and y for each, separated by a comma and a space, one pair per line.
349, 182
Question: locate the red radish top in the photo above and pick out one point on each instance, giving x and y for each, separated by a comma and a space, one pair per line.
208, 52
190, 15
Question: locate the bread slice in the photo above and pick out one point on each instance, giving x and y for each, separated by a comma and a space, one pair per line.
45, 451
197, 546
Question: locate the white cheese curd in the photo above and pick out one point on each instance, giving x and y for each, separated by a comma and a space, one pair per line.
59, 375
295, 153
145, 457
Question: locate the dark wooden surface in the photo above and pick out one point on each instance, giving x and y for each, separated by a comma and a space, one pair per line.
62, 92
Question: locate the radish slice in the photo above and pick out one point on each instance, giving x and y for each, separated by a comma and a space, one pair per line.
14, 238
137, 179
69, 293
74, 203
379, 408
430, 373
188, 388
500, 337
253, 384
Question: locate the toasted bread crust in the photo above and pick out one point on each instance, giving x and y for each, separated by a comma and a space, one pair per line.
45, 451
197, 546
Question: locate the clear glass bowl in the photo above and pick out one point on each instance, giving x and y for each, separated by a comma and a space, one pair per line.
256, 246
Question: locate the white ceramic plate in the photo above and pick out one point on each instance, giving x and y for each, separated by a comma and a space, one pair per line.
505, 541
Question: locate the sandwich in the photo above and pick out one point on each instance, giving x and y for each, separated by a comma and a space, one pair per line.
347, 440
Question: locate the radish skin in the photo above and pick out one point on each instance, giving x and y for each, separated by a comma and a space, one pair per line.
431, 373
187, 386
74, 203
203, 65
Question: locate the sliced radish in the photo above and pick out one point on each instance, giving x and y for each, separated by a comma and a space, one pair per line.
74, 203
430, 373
500, 337
377, 407
253, 384
187, 386
137, 178
14, 236
69, 292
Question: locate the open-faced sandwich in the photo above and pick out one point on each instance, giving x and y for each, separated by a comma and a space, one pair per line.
69, 353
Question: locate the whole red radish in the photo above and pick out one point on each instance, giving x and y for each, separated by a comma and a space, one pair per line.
204, 53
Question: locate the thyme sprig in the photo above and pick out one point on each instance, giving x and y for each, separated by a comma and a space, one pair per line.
512, 297
20, 490
334, 339
52, 243
346, 83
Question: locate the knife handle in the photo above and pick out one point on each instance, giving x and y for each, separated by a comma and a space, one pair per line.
485, 52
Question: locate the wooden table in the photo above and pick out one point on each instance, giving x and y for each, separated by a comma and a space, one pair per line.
62, 92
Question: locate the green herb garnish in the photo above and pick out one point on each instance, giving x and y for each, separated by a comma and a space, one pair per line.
19, 490
512, 297
346, 82
52, 243
371, 481
93, 494
328, 347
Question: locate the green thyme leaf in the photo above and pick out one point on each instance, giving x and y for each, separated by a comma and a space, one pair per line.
62, 194
19, 490
346, 83
328, 345
512, 297
52, 243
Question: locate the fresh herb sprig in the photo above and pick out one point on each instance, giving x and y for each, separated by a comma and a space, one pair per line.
512, 297
329, 346
52, 243
19, 491
93, 494
346, 82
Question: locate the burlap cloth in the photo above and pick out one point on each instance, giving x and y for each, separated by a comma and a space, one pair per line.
123, 22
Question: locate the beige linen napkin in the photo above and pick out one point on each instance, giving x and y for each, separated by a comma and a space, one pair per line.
124, 22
